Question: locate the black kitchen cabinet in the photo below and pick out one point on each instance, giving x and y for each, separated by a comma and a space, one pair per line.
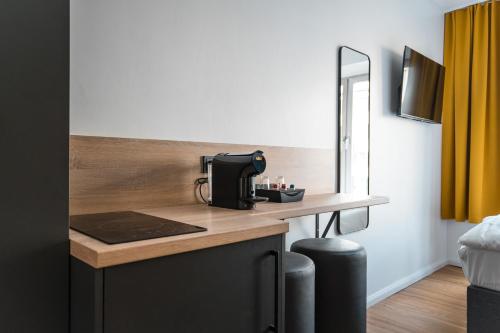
34, 131
231, 288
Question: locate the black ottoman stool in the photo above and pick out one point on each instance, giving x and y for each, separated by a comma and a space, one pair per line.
299, 293
340, 283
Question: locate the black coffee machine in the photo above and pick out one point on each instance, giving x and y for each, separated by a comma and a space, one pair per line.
233, 180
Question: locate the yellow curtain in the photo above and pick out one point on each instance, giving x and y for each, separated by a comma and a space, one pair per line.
470, 186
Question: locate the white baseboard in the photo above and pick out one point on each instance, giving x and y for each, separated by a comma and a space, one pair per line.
405, 282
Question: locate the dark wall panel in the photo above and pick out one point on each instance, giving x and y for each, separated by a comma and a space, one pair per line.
34, 121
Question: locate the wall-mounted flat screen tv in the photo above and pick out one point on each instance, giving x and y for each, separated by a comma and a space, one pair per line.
421, 88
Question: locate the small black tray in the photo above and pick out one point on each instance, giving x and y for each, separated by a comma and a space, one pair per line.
282, 196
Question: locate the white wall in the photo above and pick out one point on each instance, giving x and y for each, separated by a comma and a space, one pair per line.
264, 72
204, 70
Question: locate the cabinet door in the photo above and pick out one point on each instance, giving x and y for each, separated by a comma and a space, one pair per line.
232, 288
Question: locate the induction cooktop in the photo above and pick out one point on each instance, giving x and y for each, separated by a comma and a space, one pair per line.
127, 226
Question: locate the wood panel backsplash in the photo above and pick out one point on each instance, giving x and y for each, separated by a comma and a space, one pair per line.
112, 174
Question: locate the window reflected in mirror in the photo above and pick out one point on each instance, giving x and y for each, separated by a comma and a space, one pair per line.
354, 134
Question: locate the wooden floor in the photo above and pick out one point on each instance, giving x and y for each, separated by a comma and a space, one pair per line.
436, 304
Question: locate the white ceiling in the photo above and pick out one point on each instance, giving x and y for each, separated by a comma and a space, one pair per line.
449, 5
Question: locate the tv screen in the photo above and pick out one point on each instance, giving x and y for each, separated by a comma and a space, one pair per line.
421, 87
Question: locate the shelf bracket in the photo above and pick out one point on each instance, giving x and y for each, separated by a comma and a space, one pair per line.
328, 226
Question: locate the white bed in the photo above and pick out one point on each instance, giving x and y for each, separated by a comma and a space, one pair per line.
480, 254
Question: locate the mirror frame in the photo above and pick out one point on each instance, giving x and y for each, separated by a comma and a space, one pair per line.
339, 139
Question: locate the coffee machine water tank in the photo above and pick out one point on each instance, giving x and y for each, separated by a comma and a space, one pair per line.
233, 179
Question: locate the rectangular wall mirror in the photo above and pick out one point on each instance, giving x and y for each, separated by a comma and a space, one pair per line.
353, 135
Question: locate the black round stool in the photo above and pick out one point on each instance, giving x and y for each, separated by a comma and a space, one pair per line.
299, 293
340, 283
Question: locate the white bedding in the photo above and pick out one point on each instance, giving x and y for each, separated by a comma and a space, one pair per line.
481, 267
480, 253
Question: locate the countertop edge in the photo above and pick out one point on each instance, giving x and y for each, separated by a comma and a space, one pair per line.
139, 252
83, 253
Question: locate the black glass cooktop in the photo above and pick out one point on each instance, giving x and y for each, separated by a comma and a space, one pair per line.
122, 227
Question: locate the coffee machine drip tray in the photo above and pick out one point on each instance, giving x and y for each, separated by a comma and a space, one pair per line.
123, 227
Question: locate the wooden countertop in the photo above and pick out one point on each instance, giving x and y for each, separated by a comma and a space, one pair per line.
317, 204
224, 226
